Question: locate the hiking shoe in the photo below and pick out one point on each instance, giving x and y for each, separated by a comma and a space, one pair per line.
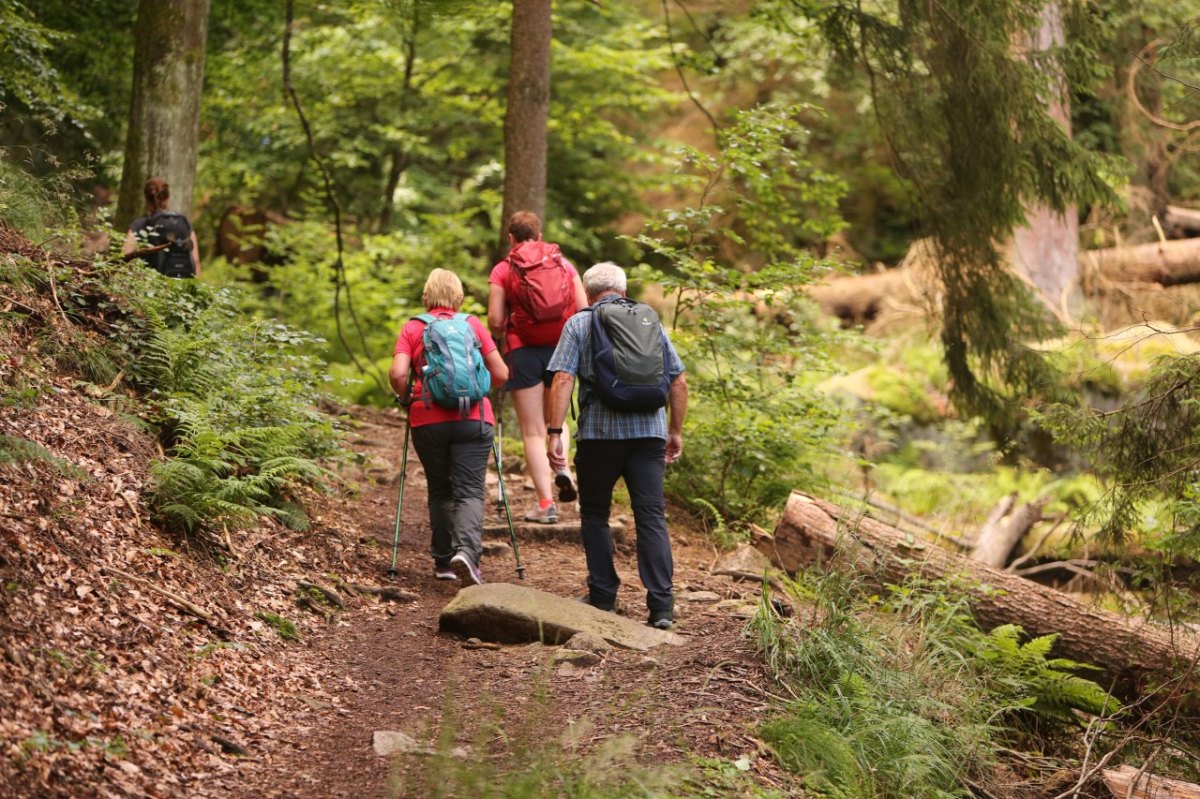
442, 570
566, 486
611, 607
465, 570
661, 619
546, 515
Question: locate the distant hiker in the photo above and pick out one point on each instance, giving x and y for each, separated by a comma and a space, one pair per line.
533, 292
163, 238
628, 371
451, 419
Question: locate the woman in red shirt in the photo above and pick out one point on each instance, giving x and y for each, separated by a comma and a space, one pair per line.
528, 346
454, 450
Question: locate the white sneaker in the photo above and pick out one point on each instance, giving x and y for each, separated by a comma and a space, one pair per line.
546, 515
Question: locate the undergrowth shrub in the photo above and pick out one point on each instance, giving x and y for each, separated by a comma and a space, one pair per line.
235, 399
902, 695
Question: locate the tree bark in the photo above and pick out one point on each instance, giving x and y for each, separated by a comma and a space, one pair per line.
527, 113
1130, 651
998, 538
164, 115
1046, 248
1119, 780
1169, 263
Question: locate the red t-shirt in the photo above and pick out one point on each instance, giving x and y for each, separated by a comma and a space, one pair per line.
411, 342
501, 274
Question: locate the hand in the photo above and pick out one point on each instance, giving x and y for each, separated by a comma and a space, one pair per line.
404, 400
674, 447
555, 451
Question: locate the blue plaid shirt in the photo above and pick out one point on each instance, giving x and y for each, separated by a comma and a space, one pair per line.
573, 355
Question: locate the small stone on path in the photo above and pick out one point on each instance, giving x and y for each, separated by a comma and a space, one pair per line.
576, 657
388, 743
496, 548
475, 643
745, 563
587, 642
699, 596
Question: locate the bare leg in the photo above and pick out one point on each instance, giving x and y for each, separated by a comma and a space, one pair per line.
527, 402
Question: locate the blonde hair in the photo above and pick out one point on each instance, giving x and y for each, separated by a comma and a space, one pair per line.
443, 289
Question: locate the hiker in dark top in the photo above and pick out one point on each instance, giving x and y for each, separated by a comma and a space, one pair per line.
634, 442
163, 238
453, 444
532, 292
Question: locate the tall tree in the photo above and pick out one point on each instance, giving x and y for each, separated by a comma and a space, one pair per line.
1046, 247
164, 115
528, 110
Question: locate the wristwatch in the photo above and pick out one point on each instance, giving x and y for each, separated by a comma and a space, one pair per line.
554, 431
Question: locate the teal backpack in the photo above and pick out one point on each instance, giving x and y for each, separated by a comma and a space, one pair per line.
453, 375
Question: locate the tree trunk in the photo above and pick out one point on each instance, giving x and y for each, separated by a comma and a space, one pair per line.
998, 538
1169, 263
1149, 786
164, 115
527, 113
1046, 248
812, 531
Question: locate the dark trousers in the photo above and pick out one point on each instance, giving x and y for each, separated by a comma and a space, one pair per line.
641, 462
455, 457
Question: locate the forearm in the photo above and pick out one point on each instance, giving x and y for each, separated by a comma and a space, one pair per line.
560, 398
677, 400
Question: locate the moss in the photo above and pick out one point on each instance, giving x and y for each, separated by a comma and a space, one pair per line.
902, 393
286, 629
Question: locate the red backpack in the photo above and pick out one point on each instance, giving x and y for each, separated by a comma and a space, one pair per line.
540, 293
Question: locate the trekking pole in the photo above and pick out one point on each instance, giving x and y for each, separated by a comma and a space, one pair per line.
512, 534
392, 572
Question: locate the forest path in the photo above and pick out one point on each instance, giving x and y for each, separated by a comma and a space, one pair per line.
386, 667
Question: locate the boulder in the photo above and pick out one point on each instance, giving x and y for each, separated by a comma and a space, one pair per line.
513, 614
745, 563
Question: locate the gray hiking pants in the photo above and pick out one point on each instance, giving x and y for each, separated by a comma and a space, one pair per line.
455, 457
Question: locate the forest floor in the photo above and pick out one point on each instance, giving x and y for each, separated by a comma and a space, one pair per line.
136, 663
389, 668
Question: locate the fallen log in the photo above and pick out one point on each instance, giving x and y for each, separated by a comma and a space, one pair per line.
1168, 263
1128, 782
1131, 651
1182, 222
1000, 536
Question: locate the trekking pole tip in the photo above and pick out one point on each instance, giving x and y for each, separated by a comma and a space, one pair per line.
521, 572
393, 572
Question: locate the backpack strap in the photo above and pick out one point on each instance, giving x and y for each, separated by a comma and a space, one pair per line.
426, 319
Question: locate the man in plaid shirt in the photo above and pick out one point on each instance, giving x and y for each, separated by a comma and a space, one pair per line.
614, 444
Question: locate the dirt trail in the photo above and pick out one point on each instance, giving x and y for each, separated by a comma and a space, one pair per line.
386, 667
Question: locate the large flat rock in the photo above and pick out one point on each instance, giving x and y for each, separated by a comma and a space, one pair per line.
567, 532
513, 614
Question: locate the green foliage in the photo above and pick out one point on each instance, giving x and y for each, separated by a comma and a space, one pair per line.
235, 396
285, 628
967, 119
26, 74
1027, 677
746, 337
904, 696
1145, 451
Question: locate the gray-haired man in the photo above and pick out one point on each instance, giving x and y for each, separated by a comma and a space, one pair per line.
614, 444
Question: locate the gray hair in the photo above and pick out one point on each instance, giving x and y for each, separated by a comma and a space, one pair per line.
604, 276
